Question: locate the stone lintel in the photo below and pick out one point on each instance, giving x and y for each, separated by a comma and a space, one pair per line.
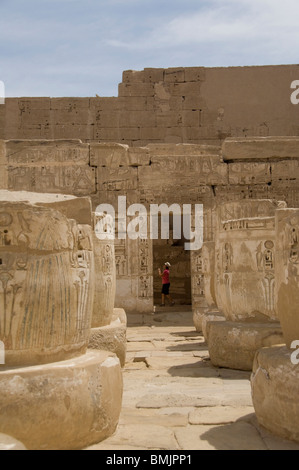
260, 148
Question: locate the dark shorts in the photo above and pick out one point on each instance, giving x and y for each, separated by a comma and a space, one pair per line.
165, 289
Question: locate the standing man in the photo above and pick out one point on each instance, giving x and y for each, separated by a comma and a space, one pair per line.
165, 284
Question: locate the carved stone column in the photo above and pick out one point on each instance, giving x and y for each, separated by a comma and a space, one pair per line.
109, 324
54, 392
275, 377
245, 281
46, 284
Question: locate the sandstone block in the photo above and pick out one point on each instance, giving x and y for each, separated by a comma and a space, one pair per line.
72, 207
46, 284
69, 104
111, 337
260, 148
194, 74
244, 259
136, 89
32, 152
275, 387
62, 406
132, 76
104, 272
233, 345
153, 75
174, 75
287, 272
110, 155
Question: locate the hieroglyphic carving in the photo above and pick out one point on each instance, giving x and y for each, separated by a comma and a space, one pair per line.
265, 263
291, 258
145, 288
45, 294
66, 180
121, 259
227, 257
197, 277
245, 262
105, 270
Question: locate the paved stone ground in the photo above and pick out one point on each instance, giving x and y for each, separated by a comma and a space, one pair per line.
174, 399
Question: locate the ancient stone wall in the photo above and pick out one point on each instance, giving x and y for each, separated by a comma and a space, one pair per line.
176, 105
155, 174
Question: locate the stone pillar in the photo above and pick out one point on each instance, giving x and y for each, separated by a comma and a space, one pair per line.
275, 377
208, 310
287, 272
245, 280
198, 299
105, 272
108, 324
70, 397
46, 284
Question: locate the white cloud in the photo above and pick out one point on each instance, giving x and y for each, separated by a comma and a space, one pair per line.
83, 47
224, 21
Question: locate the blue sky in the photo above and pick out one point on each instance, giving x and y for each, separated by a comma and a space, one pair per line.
81, 47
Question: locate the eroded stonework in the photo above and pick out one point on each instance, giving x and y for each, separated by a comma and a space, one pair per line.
46, 284
47, 373
245, 259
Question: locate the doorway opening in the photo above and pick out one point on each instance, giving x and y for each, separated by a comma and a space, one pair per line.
172, 251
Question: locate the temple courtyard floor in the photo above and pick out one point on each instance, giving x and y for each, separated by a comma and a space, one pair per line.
174, 399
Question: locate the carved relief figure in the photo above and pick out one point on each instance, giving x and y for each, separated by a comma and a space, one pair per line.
227, 257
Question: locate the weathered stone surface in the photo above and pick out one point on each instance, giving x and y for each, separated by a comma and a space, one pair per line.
147, 175
236, 436
111, 338
287, 272
226, 389
260, 148
208, 268
245, 252
72, 207
152, 437
208, 316
9, 443
181, 105
62, 406
233, 345
50, 166
105, 272
219, 414
46, 288
275, 388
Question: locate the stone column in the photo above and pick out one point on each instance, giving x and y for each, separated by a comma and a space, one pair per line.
275, 377
245, 280
109, 325
54, 393
208, 310
46, 284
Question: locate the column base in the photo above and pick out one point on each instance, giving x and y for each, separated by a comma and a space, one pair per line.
66, 405
233, 344
112, 337
275, 391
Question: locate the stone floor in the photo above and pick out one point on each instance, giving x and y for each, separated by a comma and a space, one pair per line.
174, 399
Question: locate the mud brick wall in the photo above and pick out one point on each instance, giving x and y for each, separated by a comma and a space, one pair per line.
177, 105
